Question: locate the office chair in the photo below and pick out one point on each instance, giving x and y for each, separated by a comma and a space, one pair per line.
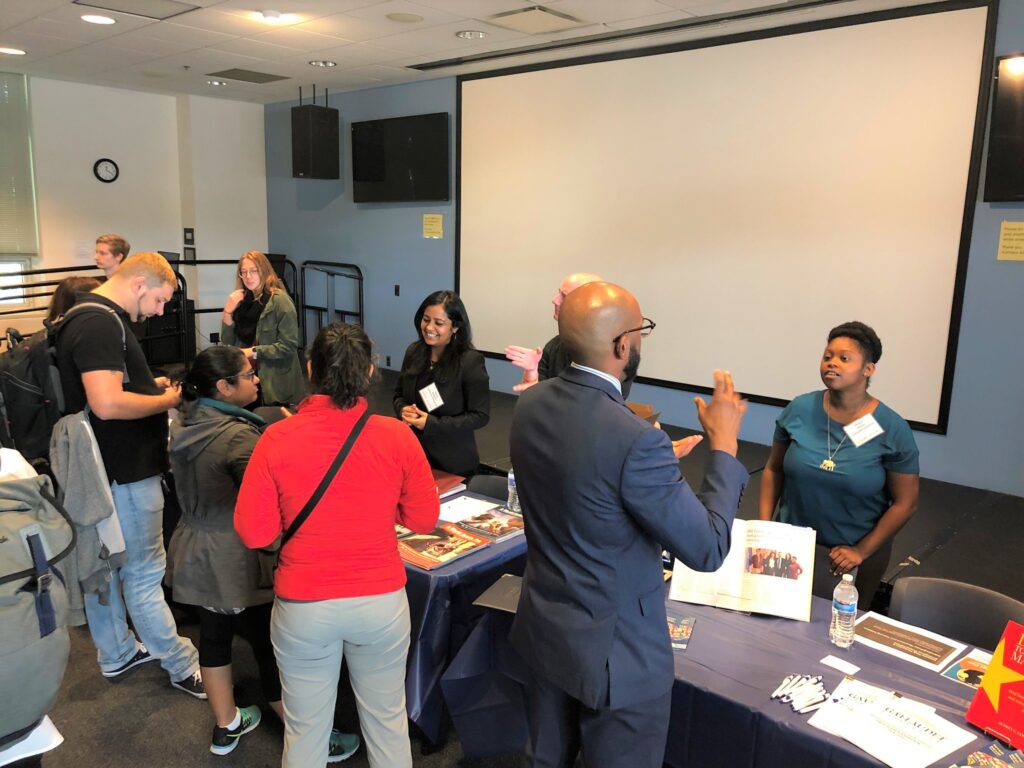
960, 611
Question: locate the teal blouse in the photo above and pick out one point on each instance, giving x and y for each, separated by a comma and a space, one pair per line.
845, 504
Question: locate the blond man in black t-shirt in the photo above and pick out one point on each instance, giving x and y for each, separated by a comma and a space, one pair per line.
102, 366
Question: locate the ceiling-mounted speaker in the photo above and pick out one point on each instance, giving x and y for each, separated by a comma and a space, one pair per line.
315, 147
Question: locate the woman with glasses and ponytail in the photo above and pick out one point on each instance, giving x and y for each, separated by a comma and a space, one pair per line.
207, 564
260, 318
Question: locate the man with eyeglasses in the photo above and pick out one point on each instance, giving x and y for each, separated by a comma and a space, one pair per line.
102, 365
540, 364
602, 496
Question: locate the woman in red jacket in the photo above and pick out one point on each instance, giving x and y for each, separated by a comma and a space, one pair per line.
340, 584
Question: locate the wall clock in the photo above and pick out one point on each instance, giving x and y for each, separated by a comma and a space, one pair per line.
106, 170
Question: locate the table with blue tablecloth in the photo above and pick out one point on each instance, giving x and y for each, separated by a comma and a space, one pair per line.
721, 710
443, 615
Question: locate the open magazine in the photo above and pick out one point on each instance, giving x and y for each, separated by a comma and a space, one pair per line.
452, 538
769, 569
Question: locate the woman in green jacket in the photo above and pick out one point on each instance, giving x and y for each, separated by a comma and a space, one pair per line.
260, 318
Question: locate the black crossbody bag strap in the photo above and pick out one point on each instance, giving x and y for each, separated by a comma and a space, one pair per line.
327, 479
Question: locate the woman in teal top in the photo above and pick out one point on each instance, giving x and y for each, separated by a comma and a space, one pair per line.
855, 496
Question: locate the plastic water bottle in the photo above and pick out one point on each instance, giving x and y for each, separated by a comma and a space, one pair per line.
844, 612
513, 495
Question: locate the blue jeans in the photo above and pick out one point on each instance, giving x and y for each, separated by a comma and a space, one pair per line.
135, 587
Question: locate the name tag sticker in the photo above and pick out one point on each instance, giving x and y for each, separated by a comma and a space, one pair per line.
432, 398
863, 430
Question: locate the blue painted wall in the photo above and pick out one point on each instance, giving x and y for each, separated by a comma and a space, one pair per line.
984, 446
311, 219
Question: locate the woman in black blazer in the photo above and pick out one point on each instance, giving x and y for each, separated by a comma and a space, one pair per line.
443, 390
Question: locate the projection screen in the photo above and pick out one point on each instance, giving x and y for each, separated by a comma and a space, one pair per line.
751, 194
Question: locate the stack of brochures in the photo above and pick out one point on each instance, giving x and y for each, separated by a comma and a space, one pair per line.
467, 524
898, 731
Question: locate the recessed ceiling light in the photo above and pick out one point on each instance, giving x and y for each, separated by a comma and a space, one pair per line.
470, 34
405, 18
323, 63
276, 17
93, 18
1015, 66
12, 51
215, 82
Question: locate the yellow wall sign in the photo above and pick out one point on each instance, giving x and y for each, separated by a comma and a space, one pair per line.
1011, 241
433, 226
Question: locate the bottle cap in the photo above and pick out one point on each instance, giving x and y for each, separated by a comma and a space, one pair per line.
848, 578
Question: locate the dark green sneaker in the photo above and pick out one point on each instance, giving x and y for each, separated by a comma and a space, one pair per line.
342, 746
226, 739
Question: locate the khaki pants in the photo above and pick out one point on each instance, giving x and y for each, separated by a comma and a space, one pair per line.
310, 640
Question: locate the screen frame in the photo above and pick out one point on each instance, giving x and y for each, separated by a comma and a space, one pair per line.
971, 196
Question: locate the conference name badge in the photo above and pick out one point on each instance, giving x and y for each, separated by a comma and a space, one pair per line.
863, 430
431, 397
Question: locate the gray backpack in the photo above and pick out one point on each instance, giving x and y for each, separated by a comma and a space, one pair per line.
35, 535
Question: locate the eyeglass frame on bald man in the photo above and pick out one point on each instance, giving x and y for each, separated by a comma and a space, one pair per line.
645, 330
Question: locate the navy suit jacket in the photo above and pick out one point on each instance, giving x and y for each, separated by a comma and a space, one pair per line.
602, 496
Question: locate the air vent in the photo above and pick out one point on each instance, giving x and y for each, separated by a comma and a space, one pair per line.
535, 20
247, 76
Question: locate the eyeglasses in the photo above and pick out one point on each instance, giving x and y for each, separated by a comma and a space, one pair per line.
247, 375
249, 272
645, 330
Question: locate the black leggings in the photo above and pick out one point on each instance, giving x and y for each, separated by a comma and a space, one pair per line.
217, 630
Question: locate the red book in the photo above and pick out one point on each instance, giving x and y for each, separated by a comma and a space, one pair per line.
447, 483
998, 706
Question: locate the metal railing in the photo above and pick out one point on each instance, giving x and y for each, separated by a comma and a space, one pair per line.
326, 309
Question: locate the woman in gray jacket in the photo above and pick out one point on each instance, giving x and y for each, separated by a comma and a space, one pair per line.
207, 565
260, 318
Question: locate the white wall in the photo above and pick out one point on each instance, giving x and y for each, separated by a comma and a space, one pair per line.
224, 192
185, 161
73, 126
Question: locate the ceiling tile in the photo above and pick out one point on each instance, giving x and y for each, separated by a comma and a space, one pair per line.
479, 9
601, 11
716, 7
72, 14
14, 12
247, 46
352, 55
299, 40
212, 20
371, 23
35, 46
441, 38
181, 35
140, 42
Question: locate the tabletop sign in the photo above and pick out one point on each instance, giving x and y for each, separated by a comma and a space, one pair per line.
907, 642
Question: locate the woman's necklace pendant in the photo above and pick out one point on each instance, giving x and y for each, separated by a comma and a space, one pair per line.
828, 465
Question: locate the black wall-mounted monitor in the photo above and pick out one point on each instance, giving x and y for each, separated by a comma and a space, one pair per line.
401, 159
1004, 174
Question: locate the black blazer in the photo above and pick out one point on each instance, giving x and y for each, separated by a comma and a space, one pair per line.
448, 437
602, 495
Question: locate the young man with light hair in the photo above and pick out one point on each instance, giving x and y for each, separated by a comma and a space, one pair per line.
111, 251
102, 366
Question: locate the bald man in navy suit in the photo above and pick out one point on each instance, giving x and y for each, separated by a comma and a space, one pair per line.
602, 496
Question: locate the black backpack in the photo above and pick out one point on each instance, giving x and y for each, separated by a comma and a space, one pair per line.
31, 396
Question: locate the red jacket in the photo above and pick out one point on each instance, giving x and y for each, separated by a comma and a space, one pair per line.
347, 546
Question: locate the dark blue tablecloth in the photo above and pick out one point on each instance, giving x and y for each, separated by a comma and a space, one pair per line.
721, 710
443, 614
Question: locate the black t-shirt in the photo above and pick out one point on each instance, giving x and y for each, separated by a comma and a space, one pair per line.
132, 449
